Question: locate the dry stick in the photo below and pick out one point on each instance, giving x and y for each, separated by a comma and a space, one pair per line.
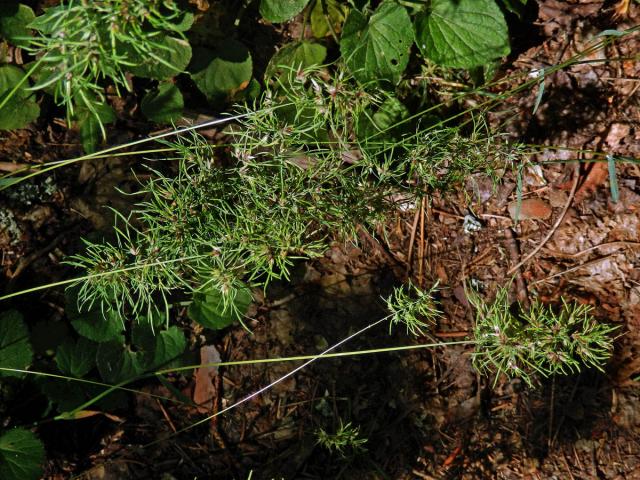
514, 253
412, 239
555, 226
421, 245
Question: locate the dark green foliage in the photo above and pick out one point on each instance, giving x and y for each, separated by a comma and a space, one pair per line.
21, 455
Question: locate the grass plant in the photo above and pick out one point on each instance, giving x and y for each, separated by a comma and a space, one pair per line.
539, 340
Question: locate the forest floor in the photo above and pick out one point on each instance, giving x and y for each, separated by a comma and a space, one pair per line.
426, 414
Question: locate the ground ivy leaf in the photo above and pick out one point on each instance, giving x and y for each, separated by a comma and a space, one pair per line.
281, 10
163, 104
336, 13
21, 455
14, 21
462, 33
76, 359
224, 72
117, 363
169, 58
15, 349
208, 309
21, 108
93, 324
378, 47
170, 344
295, 56
91, 133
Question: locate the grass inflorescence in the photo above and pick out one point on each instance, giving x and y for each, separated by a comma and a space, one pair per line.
541, 339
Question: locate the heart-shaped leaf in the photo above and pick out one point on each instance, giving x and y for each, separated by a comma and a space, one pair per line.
76, 359
14, 21
117, 363
462, 33
328, 14
93, 324
21, 108
295, 56
281, 10
15, 349
163, 104
168, 59
224, 72
21, 455
208, 307
377, 48
92, 123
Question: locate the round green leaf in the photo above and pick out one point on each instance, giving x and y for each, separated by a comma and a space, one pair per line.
93, 324
462, 33
169, 58
281, 10
21, 109
92, 124
224, 72
325, 13
21, 455
15, 349
377, 48
163, 104
208, 308
117, 363
170, 344
14, 21
296, 56
76, 359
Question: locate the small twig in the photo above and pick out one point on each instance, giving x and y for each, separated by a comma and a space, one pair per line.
514, 253
452, 334
421, 245
576, 178
412, 239
166, 416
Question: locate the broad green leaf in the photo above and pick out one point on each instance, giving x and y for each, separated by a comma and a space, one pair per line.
68, 395
462, 33
170, 344
295, 56
208, 308
382, 126
49, 22
281, 10
163, 104
14, 21
91, 132
21, 455
76, 359
184, 23
15, 349
93, 324
168, 59
222, 73
325, 13
21, 108
117, 363
391, 112
377, 48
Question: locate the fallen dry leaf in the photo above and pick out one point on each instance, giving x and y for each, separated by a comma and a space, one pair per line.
530, 208
597, 175
205, 392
